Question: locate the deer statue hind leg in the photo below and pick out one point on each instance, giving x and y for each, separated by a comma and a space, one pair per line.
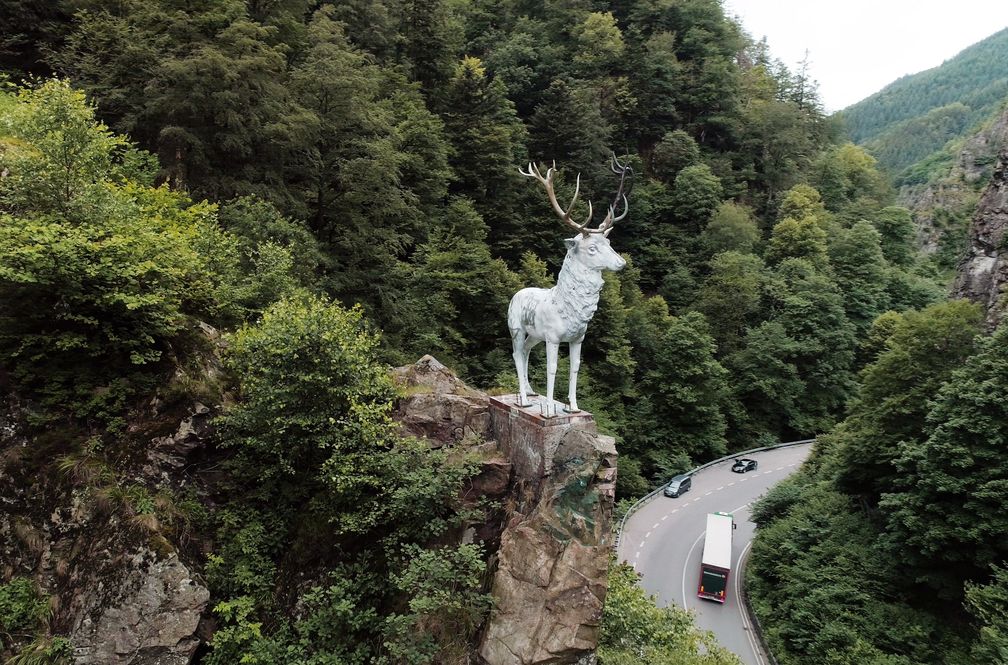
575, 365
530, 343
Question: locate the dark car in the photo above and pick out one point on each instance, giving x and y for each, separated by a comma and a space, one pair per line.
678, 485
743, 465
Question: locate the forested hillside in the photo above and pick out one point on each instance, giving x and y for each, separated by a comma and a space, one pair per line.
336, 188
916, 115
888, 547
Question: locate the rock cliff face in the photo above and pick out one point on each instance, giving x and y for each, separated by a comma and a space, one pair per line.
125, 587
117, 584
983, 274
556, 478
954, 195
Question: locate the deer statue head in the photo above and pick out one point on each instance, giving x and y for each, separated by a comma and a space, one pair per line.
590, 247
561, 314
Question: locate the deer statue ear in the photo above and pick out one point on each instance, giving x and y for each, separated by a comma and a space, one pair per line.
570, 242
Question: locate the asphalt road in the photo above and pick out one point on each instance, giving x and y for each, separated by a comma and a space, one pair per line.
663, 540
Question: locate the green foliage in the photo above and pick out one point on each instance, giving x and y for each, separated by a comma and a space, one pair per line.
681, 388
918, 352
637, 632
731, 297
696, 193
672, 154
45, 651
309, 351
21, 608
860, 270
944, 508
446, 605
97, 273
823, 589
989, 604
731, 229
797, 239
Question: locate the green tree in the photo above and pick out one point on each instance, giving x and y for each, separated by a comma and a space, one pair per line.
431, 39
919, 354
860, 271
222, 109
98, 274
765, 385
895, 226
696, 193
731, 228
681, 388
989, 604
797, 239
637, 632
599, 43
337, 446
488, 141
731, 297
672, 154
811, 309
944, 506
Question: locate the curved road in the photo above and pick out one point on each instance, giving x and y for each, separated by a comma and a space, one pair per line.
664, 542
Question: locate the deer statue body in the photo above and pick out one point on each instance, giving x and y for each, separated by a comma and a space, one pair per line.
561, 314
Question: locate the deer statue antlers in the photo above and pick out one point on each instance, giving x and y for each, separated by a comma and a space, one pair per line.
620, 169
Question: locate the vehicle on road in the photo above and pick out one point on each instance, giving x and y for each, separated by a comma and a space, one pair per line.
743, 465
679, 485
715, 565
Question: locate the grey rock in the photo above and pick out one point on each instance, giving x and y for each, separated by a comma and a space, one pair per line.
982, 276
153, 620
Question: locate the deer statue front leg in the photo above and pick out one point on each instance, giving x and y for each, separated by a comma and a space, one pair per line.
552, 350
518, 341
575, 365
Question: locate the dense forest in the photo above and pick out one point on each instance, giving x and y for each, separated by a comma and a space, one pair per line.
336, 188
889, 547
916, 115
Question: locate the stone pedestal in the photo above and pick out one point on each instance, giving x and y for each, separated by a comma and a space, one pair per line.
528, 438
551, 576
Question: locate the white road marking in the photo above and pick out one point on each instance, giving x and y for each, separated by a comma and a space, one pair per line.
647, 535
730, 484
664, 518
738, 598
780, 468
708, 493
743, 480
656, 524
686, 564
719, 489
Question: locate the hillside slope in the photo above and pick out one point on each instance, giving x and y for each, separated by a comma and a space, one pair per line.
915, 115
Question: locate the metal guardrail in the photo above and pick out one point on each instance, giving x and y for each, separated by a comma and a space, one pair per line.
644, 499
754, 621
750, 614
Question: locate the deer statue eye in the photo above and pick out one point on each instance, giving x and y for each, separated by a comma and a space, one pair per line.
592, 249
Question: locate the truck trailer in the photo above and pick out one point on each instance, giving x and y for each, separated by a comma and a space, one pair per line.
715, 566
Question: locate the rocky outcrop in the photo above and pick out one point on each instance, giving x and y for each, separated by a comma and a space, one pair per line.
953, 195
555, 480
120, 589
438, 406
148, 616
551, 577
983, 274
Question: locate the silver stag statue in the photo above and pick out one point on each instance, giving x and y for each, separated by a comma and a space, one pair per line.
561, 314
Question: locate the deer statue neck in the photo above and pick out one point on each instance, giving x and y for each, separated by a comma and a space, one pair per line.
577, 290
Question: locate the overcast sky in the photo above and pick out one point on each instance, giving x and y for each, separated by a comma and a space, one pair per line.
857, 47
